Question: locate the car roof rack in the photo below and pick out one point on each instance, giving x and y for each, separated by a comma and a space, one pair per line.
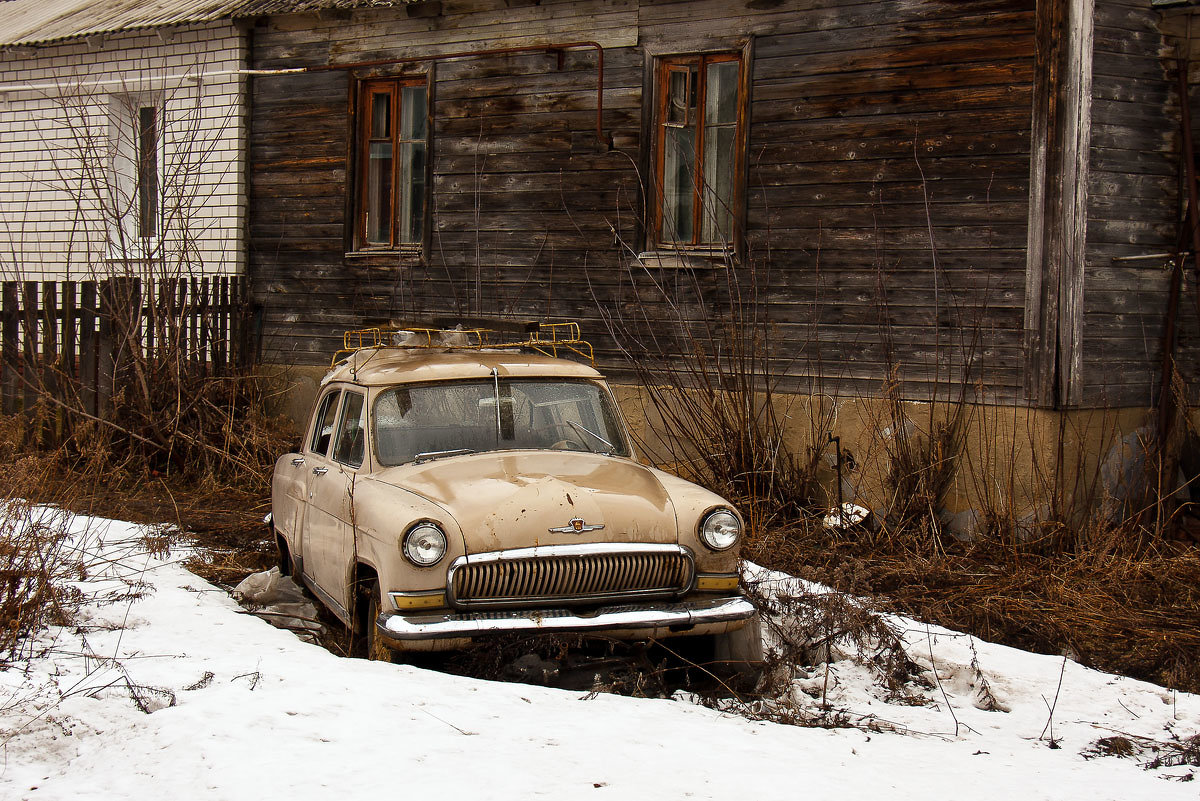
473, 334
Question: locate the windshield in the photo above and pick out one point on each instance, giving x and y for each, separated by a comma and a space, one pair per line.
415, 423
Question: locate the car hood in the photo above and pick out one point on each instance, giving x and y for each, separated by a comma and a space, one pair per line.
513, 499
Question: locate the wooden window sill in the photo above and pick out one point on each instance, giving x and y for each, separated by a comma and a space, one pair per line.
687, 258
412, 253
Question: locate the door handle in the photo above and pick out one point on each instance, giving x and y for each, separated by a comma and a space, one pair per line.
320, 471
299, 460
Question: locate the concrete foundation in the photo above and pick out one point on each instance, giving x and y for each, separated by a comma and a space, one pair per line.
1007, 461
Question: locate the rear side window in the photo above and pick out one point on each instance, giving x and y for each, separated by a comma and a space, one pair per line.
350, 439
323, 430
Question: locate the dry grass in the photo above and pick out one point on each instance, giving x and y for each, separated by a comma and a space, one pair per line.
37, 562
700, 344
205, 471
1134, 615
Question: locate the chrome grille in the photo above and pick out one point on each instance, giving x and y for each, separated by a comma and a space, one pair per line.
569, 574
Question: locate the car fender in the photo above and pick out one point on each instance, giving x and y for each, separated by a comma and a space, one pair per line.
383, 514
692, 502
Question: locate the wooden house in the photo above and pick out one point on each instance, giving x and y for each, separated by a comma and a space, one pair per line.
989, 189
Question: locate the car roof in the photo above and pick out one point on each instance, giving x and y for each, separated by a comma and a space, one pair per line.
386, 366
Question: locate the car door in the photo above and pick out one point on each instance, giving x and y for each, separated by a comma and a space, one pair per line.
329, 527
313, 525
293, 482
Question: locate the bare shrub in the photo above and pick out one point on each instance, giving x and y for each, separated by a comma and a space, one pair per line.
135, 168
807, 631
699, 342
34, 565
921, 464
38, 559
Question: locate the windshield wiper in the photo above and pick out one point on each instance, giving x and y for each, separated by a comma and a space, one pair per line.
578, 427
430, 455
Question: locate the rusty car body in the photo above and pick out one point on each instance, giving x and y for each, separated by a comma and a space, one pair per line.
443, 494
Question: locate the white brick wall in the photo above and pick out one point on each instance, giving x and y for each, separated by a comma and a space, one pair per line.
57, 162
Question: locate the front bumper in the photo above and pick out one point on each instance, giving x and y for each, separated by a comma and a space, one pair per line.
634, 621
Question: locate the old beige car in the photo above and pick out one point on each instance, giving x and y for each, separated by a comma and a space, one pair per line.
447, 493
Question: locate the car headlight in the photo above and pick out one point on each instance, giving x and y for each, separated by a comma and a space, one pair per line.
424, 545
720, 529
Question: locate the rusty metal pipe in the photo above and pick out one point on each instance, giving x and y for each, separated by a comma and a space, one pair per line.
1189, 157
495, 51
1166, 401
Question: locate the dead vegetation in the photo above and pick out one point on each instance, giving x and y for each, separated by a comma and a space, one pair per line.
1126, 614
719, 421
39, 559
37, 564
808, 632
1168, 752
180, 447
1064, 550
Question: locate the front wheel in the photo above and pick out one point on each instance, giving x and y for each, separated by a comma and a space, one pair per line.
376, 648
284, 557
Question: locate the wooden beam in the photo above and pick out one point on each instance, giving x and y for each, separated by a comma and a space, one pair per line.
1057, 235
1076, 147
1040, 312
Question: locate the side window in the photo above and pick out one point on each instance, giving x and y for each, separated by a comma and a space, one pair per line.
323, 430
392, 141
351, 431
698, 163
135, 188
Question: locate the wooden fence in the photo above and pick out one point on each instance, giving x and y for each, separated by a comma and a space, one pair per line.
67, 343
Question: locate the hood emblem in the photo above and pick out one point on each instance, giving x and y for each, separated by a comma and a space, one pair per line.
577, 525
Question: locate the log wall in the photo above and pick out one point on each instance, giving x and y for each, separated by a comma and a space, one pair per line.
887, 180
1134, 207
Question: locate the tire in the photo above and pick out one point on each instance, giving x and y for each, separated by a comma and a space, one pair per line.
284, 556
376, 649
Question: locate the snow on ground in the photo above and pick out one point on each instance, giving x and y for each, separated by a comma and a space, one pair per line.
176, 693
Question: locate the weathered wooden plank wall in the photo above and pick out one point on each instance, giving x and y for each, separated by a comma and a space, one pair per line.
887, 179
1134, 208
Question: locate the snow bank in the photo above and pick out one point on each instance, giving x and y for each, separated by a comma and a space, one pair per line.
166, 688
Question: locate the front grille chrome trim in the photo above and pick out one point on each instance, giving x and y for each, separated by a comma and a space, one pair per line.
573, 575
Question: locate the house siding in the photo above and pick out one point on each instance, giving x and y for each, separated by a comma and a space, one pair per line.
887, 179
1134, 208
51, 226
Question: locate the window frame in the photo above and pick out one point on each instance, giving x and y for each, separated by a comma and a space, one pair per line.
330, 401
660, 69
341, 428
364, 89
130, 178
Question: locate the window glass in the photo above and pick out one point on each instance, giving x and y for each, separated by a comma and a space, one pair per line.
412, 164
392, 148
351, 437
720, 141
379, 171
323, 430
681, 97
147, 188
679, 184
698, 159
436, 420
132, 202
381, 115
